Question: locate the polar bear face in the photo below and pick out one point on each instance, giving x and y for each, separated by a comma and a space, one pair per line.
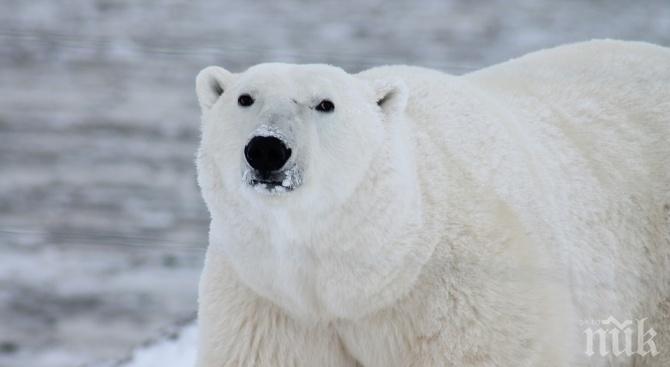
293, 159
299, 136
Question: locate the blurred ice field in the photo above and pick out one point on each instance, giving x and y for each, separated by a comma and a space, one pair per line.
102, 229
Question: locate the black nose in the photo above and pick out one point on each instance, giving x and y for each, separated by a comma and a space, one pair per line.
266, 153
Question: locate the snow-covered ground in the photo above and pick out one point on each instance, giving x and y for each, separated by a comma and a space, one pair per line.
102, 230
176, 348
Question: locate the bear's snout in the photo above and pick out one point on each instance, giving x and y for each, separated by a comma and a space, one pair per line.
266, 153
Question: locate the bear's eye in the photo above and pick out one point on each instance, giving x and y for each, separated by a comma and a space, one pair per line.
245, 100
325, 106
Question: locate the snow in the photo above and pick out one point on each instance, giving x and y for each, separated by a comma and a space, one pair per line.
177, 350
102, 228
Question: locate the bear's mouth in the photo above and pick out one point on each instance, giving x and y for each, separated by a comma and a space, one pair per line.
278, 182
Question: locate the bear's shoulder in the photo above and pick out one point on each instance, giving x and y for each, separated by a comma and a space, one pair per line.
609, 58
422, 83
403, 71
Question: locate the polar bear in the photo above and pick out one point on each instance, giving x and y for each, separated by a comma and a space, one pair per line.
405, 217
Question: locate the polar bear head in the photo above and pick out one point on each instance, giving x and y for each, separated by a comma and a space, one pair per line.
309, 173
300, 136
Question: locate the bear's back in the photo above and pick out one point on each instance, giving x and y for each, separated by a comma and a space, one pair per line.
594, 121
600, 113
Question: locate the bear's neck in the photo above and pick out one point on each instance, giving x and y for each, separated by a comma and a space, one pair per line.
371, 250
368, 255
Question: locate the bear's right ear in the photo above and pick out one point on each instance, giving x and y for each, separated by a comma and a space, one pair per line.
210, 84
391, 94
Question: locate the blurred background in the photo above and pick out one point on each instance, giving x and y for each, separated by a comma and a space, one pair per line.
102, 229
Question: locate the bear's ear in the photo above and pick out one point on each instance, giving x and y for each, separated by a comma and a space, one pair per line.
210, 84
390, 95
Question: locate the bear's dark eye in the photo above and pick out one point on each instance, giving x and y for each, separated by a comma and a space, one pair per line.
325, 106
245, 100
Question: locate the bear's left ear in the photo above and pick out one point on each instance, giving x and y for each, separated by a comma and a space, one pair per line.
390, 94
210, 84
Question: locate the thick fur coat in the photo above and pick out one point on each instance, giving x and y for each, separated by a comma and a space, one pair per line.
437, 220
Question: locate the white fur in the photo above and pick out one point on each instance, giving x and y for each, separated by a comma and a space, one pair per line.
465, 221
